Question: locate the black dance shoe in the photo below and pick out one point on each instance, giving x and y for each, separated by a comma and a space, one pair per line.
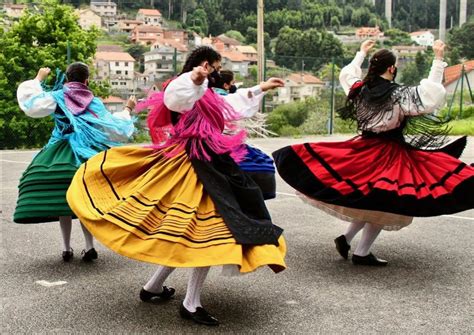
89, 256
370, 260
201, 316
166, 294
68, 255
342, 246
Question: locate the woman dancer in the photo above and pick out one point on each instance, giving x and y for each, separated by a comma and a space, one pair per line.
83, 127
185, 202
258, 165
380, 179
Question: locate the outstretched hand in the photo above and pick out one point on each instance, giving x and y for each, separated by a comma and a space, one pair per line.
438, 49
43, 73
271, 84
131, 103
199, 74
366, 46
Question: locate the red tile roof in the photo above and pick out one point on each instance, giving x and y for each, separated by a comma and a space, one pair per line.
113, 100
453, 73
114, 56
305, 78
149, 12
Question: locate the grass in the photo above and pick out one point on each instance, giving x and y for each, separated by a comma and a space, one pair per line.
462, 127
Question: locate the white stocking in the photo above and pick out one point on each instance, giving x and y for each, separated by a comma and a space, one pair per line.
352, 230
65, 223
155, 284
193, 293
369, 234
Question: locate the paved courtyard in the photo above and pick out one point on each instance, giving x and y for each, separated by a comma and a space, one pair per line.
426, 288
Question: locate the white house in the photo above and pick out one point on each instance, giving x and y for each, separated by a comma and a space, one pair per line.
104, 8
151, 17
425, 37
114, 104
159, 62
298, 86
117, 67
88, 18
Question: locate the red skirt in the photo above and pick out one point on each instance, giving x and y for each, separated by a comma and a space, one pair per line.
379, 174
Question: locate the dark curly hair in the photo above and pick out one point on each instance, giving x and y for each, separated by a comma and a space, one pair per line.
77, 72
199, 55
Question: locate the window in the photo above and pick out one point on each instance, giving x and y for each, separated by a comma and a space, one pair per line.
126, 72
114, 83
163, 57
158, 66
116, 63
123, 83
118, 72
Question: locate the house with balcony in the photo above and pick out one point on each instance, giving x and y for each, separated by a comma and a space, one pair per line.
127, 26
150, 17
159, 62
368, 32
146, 35
423, 37
117, 67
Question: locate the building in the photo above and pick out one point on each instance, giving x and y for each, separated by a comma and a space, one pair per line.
248, 51
228, 42
146, 35
298, 87
88, 18
235, 61
178, 35
159, 62
109, 48
181, 48
13, 10
408, 50
117, 67
150, 17
114, 104
368, 32
452, 74
127, 26
104, 8
424, 38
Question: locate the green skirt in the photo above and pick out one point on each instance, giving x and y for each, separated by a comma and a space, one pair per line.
43, 186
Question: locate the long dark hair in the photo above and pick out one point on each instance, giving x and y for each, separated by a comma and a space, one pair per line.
379, 63
199, 55
225, 77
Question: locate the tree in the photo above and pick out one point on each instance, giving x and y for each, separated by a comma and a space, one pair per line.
36, 40
415, 71
235, 35
197, 21
460, 40
397, 37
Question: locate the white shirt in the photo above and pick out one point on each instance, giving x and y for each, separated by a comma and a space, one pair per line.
430, 90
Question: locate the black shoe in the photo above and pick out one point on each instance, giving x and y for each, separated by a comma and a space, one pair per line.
342, 246
166, 294
68, 255
370, 259
200, 316
89, 256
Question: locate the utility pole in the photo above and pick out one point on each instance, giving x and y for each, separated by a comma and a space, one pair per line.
260, 42
442, 20
462, 12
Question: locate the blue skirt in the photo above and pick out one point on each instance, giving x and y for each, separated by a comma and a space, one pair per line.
259, 166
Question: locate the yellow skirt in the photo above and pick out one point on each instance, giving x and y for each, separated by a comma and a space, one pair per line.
148, 206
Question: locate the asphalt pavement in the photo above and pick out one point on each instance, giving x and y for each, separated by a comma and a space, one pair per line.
426, 288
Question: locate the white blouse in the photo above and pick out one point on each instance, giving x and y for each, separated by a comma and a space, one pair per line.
182, 93
430, 90
44, 103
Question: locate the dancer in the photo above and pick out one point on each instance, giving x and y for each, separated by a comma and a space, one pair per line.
258, 165
183, 202
383, 178
83, 127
